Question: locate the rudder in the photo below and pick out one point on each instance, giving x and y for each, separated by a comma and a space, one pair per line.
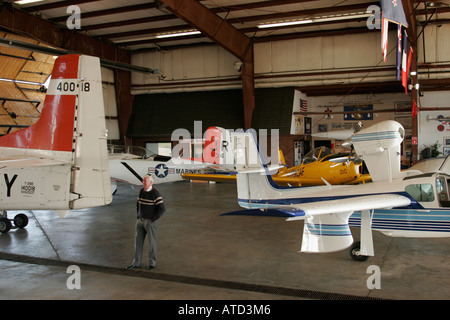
90, 178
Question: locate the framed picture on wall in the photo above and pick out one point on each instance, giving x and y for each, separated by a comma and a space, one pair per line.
446, 151
446, 141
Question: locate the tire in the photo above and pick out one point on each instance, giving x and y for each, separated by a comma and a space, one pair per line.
355, 252
5, 225
21, 220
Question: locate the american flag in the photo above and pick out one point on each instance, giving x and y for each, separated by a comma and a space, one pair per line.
303, 105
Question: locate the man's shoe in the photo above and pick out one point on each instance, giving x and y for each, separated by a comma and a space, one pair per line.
151, 267
132, 267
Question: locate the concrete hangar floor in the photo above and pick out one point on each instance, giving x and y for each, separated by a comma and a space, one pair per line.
202, 255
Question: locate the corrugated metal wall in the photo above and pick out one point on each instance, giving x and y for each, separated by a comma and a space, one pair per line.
160, 114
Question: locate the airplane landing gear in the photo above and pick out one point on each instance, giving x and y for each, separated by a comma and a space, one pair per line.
20, 221
355, 252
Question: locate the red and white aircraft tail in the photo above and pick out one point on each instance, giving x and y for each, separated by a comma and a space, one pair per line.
60, 162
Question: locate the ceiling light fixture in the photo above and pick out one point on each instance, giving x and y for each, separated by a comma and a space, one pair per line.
22, 2
337, 17
347, 16
177, 34
284, 23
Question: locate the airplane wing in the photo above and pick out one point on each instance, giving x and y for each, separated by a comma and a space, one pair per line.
345, 205
231, 178
326, 226
358, 203
223, 177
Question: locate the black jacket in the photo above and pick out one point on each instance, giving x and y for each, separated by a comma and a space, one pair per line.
150, 205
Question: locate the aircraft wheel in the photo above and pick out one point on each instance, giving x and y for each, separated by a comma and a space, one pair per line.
21, 220
5, 225
355, 252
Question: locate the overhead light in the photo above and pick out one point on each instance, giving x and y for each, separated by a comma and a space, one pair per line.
337, 17
177, 34
159, 36
343, 17
134, 39
21, 2
284, 23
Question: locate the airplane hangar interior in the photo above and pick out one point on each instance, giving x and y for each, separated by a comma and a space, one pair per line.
295, 150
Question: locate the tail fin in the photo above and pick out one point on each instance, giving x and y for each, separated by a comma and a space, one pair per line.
219, 147
213, 145
72, 127
281, 159
54, 129
379, 145
91, 178
239, 151
254, 182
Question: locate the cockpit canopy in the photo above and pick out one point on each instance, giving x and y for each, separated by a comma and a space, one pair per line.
316, 154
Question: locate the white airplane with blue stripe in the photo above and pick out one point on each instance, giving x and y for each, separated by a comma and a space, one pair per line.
397, 203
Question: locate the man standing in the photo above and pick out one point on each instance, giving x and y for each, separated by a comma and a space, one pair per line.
150, 207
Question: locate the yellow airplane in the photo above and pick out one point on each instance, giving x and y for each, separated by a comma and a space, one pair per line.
319, 166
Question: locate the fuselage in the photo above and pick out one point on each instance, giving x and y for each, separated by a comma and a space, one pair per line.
132, 169
428, 215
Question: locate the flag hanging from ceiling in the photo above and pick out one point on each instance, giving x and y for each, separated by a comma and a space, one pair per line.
404, 62
414, 108
399, 52
393, 11
384, 36
408, 63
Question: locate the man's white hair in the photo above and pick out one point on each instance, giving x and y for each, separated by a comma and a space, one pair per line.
149, 176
